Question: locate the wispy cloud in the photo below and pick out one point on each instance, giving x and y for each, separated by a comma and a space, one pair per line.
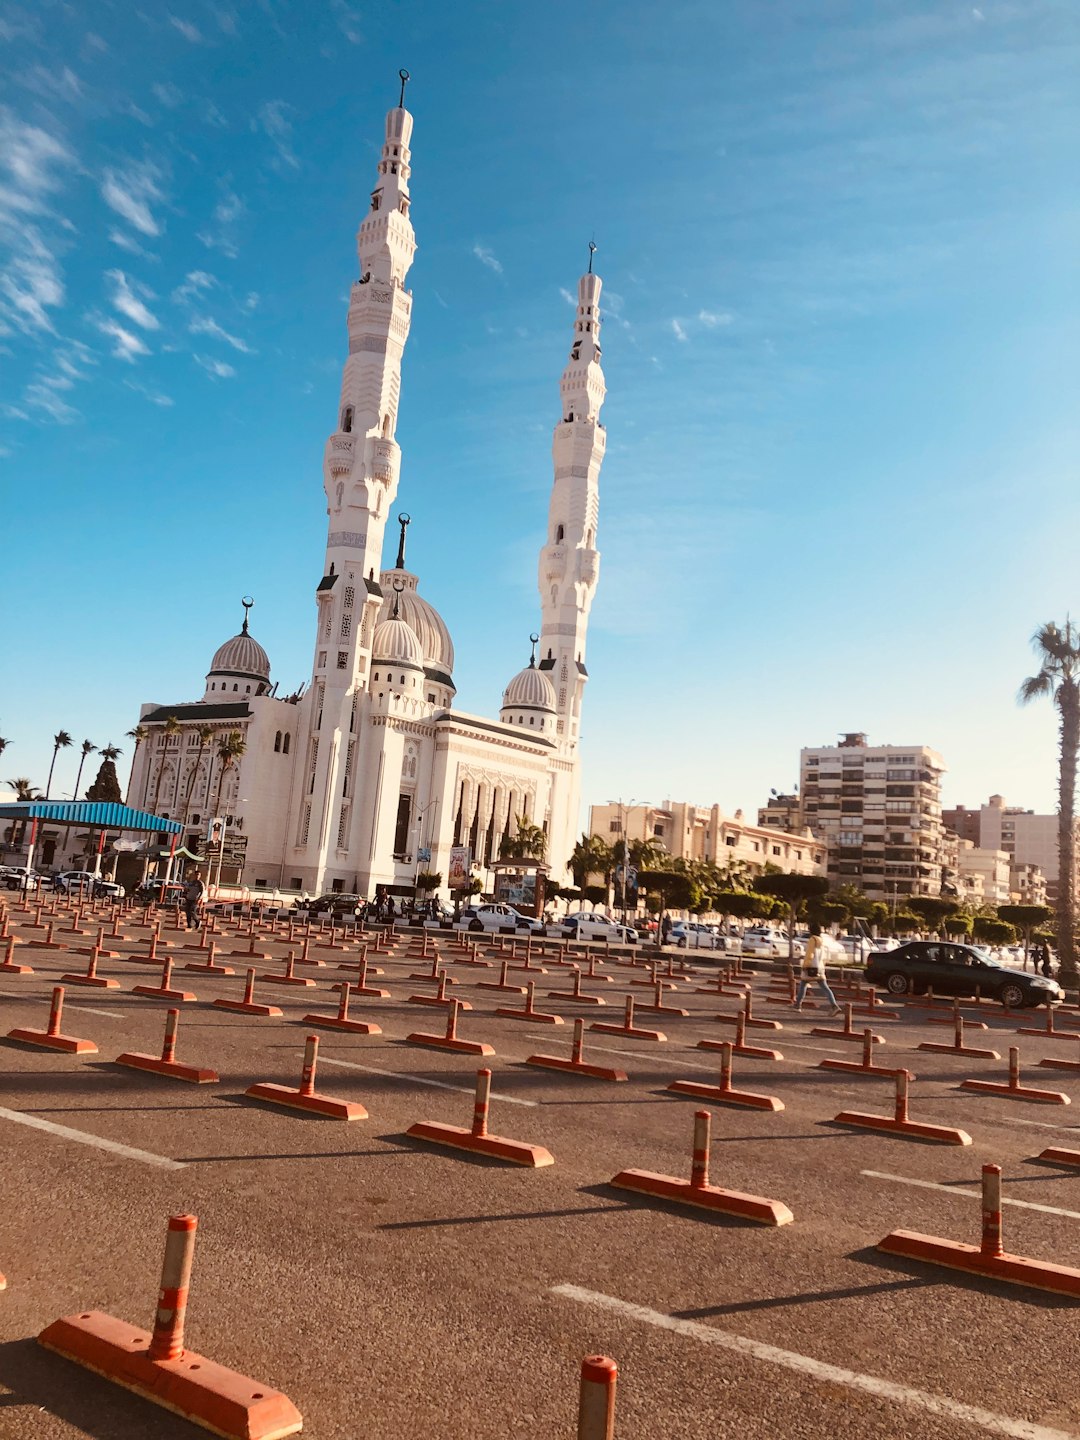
45, 393
129, 298
711, 319
187, 29
130, 244
130, 192
31, 285
168, 94
30, 164
348, 21
156, 397
226, 19
53, 82
220, 234
486, 256
204, 325
218, 369
250, 302
678, 331
126, 345
195, 282
273, 120
567, 296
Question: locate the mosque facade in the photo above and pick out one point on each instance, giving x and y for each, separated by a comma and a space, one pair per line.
371, 774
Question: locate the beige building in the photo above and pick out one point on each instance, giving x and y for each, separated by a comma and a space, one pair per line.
982, 875
1027, 838
1027, 884
699, 832
878, 809
782, 812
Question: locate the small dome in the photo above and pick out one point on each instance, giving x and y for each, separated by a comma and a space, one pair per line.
424, 620
530, 689
240, 661
396, 642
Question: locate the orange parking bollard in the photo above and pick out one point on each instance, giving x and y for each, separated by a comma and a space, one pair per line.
596, 1400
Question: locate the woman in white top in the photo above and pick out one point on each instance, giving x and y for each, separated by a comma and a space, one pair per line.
813, 968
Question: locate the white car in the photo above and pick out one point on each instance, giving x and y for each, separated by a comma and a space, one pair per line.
498, 918
692, 935
773, 944
18, 877
591, 925
835, 951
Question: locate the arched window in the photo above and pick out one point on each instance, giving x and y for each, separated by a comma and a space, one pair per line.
559, 533
346, 420
277, 741
285, 744
236, 687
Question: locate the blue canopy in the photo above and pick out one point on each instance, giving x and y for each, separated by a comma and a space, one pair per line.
107, 814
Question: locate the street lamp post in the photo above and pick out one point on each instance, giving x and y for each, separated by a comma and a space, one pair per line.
623, 808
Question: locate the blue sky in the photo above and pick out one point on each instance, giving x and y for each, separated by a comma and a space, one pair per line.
838, 243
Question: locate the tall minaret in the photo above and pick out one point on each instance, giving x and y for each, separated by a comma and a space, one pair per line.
570, 561
360, 477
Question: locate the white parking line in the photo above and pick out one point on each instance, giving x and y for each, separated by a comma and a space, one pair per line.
82, 1138
422, 1080
969, 1194
938, 1405
90, 1010
1038, 1124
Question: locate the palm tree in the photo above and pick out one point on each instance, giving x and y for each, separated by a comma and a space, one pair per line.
592, 855
87, 749
530, 842
3, 744
24, 792
139, 733
205, 734
170, 727
1058, 651
229, 751
61, 740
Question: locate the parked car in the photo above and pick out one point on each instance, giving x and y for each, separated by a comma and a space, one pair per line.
692, 935
834, 951
951, 969
338, 903
591, 925
498, 917
160, 892
773, 944
18, 877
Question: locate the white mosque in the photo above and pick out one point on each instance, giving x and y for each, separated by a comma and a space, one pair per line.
371, 774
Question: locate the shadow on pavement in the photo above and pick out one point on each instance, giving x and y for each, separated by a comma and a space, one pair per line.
493, 1219
47, 1382
807, 1297
1017, 1294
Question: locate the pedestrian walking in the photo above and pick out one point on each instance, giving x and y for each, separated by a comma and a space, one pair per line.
194, 891
813, 970
665, 929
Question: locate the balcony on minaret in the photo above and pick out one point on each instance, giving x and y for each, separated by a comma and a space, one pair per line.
340, 450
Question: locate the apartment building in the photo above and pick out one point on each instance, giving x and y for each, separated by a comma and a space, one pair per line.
782, 812
704, 832
982, 875
878, 809
1027, 838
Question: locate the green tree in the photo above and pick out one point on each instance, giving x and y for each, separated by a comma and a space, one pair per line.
1058, 677
61, 740
428, 880
87, 748
993, 931
827, 911
592, 855
879, 913
106, 786
530, 842
746, 905
931, 910
24, 793
1025, 918
171, 726
859, 905
957, 925
903, 922
672, 887
794, 891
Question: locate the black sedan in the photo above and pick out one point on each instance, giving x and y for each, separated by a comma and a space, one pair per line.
950, 969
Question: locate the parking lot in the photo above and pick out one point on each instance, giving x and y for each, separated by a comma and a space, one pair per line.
393, 1289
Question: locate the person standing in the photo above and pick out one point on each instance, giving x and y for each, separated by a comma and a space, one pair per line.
813, 970
194, 891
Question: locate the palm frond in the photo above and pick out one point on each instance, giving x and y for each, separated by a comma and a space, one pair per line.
1035, 687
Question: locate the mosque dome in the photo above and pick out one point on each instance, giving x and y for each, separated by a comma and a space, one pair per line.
423, 619
240, 660
530, 689
396, 643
